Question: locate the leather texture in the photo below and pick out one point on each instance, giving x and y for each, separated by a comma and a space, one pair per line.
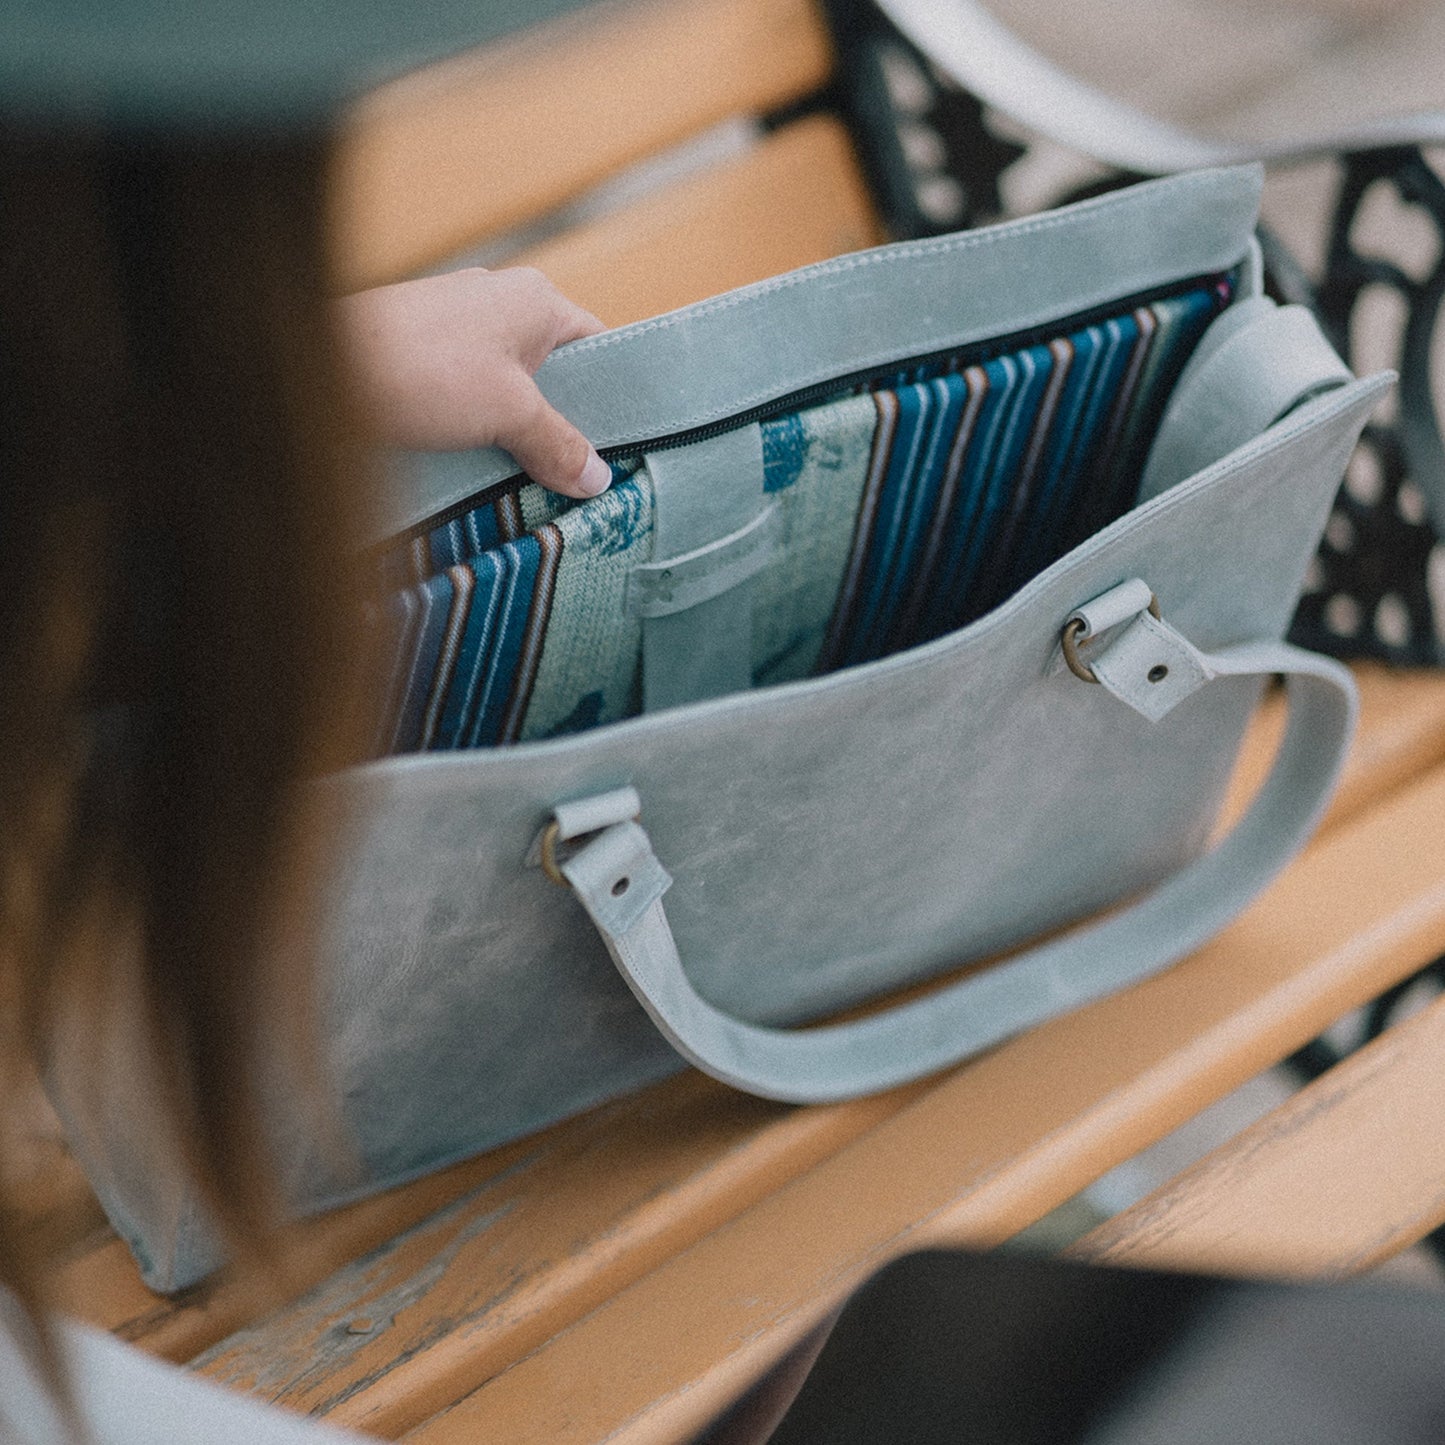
1152, 668
658, 589
1118, 604
1256, 363
619, 881
717, 359
867, 827
987, 59
709, 540
835, 838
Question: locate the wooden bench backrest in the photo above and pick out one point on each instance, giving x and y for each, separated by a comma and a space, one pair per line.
438, 163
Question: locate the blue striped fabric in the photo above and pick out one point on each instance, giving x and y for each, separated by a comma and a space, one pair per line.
980, 478
912, 508
465, 639
473, 533
459, 678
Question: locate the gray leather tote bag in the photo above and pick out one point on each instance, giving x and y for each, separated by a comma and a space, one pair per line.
938, 585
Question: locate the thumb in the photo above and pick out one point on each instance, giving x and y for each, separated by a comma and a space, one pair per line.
548, 447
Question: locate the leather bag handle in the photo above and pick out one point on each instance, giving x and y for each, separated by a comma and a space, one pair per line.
620, 882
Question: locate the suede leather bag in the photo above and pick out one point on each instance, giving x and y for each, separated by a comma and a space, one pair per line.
789, 805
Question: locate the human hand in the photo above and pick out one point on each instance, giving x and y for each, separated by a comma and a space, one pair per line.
447, 363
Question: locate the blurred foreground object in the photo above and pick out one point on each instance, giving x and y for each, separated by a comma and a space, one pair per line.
990, 1348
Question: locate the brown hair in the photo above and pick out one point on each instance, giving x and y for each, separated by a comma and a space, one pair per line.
177, 468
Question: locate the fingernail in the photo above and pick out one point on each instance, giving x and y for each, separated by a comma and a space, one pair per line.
596, 476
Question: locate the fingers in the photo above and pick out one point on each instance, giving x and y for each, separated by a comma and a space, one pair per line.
547, 446
535, 314
575, 322
446, 363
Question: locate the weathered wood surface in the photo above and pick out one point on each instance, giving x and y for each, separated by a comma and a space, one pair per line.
520, 1258
624, 1183
439, 160
1338, 1179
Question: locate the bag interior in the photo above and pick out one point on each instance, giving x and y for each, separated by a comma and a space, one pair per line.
911, 503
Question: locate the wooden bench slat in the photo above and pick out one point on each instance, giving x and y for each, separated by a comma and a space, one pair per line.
797, 198
514, 1261
979, 1156
673, 1161
1401, 735
1339, 1178
100, 1285
436, 161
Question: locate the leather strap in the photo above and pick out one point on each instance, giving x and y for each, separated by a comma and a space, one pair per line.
717, 359
620, 883
710, 536
1254, 365
974, 49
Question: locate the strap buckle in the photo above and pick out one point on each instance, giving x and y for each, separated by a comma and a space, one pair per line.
1076, 629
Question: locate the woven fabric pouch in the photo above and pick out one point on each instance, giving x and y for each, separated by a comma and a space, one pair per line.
925, 614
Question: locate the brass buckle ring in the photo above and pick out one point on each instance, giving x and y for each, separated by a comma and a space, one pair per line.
547, 851
551, 835
1070, 637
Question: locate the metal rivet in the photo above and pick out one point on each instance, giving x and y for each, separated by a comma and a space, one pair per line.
1158, 672
621, 887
